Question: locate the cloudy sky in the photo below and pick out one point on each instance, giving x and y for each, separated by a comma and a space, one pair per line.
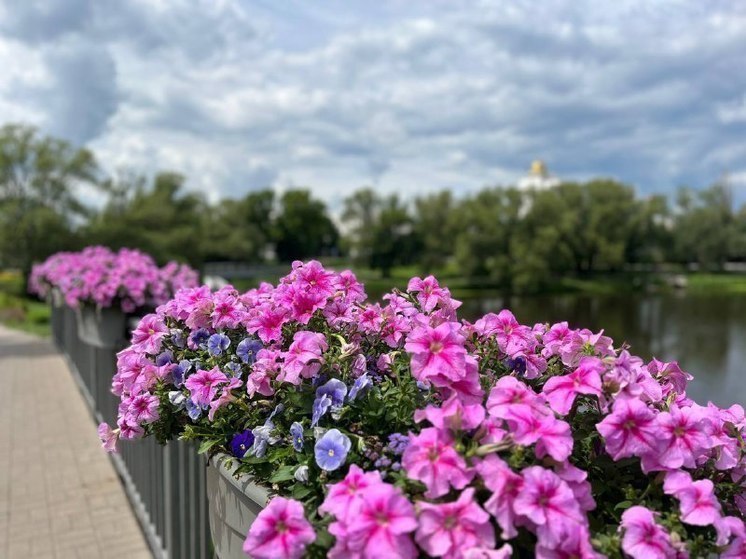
409, 96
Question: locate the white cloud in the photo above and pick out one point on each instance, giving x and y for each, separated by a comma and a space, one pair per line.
408, 97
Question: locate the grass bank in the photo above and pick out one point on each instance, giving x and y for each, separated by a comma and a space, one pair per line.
19, 311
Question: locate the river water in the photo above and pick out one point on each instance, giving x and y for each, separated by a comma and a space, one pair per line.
705, 334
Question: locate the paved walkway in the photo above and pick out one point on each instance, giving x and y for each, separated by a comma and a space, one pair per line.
60, 496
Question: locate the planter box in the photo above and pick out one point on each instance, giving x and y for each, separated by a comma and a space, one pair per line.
56, 298
233, 505
103, 328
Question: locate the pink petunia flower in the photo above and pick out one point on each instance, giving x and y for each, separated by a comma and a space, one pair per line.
149, 334
682, 438
561, 391
143, 408
552, 436
266, 322
428, 292
379, 527
453, 415
549, 503
643, 538
203, 385
629, 430
698, 504
511, 336
438, 354
505, 485
345, 495
280, 531
447, 529
108, 436
509, 394
304, 357
431, 459
228, 311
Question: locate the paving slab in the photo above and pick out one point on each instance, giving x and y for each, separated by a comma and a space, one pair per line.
53, 503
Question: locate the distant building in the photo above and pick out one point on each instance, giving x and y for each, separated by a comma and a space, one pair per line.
538, 177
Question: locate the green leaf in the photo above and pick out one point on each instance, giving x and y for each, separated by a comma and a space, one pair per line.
204, 446
623, 505
285, 473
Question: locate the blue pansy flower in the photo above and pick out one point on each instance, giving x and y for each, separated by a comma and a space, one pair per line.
234, 368
164, 358
247, 350
263, 434
217, 344
321, 405
199, 337
193, 410
335, 389
301, 474
177, 337
296, 432
241, 443
179, 372
360, 385
331, 450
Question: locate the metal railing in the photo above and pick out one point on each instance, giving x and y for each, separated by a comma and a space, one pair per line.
165, 484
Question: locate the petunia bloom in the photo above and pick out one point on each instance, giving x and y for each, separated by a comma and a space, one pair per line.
447, 529
561, 391
629, 430
643, 538
431, 459
280, 531
203, 385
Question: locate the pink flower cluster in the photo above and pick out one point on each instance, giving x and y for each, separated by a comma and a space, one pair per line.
541, 439
99, 276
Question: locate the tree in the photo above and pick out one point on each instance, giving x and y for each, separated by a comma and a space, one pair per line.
302, 228
488, 221
161, 219
436, 229
705, 226
239, 230
381, 231
360, 214
38, 205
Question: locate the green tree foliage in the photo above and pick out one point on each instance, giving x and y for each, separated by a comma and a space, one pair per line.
303, 228
706, 226
239, 230
436, 229
381, 231
160, 219
38, 207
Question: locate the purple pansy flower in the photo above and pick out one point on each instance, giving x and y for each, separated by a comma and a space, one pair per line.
241, 443
331, 450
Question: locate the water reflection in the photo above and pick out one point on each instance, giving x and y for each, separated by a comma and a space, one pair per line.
706, 334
